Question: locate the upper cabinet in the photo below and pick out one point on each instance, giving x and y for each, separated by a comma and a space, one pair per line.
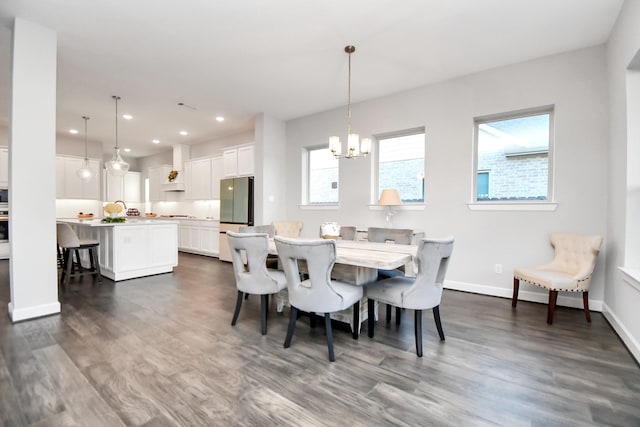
197, 184
4, 168
126, 187
217, 171
238, 161
157, 176
70, 186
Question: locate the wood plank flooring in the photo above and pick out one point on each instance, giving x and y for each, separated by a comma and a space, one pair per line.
160, 351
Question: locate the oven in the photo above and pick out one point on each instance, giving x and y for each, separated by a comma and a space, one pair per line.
4, 198
4, 223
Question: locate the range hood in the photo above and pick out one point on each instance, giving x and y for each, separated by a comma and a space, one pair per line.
180, 154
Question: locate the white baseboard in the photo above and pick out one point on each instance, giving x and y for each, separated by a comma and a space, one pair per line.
623, 332
27, 313
564, 299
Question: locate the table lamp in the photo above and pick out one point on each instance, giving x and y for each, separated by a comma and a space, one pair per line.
390, 198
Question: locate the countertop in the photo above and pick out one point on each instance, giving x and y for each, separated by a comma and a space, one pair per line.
96, 222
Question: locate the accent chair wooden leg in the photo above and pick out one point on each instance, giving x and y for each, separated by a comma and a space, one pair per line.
553, 296
356, 320
371, 321
585, 301
264, 305
238, 305
436, 317
327, 323
516, 288
388, 313
293, 316
418, 331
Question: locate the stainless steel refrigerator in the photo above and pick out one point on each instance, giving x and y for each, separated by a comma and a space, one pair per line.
236, 209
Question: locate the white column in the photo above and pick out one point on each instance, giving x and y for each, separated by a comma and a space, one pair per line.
270, 177
32, 159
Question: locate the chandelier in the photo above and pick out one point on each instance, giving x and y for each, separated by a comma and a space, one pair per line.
85, 173
355, 147
117, 166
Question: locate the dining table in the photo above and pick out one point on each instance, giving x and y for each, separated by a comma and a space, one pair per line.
357, 263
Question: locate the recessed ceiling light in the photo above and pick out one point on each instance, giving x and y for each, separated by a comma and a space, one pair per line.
184, 133
73, 131
155, 141
127, 150
127, 116
220, 119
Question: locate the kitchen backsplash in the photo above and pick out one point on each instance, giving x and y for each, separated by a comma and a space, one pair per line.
69, 208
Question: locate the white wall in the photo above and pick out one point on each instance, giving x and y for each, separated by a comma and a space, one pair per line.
622, 299
574, 82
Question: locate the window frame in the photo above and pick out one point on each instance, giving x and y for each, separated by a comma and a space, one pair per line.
306, 172
375, 158
550, 202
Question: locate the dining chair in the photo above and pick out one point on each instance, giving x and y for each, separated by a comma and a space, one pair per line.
347, 232
69, 242
570, 270
288, 228
267, 228
253, 277
319, 293
399, 236
419, 293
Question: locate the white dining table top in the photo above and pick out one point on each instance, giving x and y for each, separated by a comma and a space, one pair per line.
384, 256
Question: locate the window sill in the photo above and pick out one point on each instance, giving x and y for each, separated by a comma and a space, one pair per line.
515, 206
327, 207
407, 207
631, 276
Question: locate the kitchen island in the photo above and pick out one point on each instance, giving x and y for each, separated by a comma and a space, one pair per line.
134, 248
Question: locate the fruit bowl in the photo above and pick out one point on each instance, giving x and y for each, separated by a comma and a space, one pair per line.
82, 215
151, 215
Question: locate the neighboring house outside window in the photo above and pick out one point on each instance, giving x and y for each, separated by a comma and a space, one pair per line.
513, 149
322, 176
401, 165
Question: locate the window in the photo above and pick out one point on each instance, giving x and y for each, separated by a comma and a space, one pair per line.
513, 149
322, 177
401, 165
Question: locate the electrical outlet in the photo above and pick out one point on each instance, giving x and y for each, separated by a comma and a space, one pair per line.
498, 268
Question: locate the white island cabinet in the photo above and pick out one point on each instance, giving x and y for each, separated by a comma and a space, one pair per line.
135, 248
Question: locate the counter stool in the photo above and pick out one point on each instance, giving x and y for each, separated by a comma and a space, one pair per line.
69, 242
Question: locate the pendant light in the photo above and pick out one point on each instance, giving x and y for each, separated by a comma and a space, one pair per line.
85, 173
355, 147
117, 166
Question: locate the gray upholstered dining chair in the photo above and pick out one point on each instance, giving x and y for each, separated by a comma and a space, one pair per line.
69, 242
347, 232
421, 293
569, 271
270, 229
319, 293
399, 236
253, 278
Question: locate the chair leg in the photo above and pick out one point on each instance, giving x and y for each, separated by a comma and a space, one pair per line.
264, 305
388, 313
371, 308
436, 317
585, 301
312, 319
356, 320
292, 326
69, 266
79, 260
418, 331
398, 316
327, 323
516, 288
238, 305
246, 296
97, 261
553, 297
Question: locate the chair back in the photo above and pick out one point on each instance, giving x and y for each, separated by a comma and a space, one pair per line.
268, 228
399, 236
575, 254
287, 228
330, 230
432, 261
347, 232
67, 238
315, 294
253, 277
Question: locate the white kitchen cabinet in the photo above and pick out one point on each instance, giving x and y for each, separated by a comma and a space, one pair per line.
199, 237
126, 187
157, 176
217, 172
198, 184
4, 168
70, 186
238, 161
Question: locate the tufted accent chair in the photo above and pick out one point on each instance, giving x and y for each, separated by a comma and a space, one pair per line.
570, 270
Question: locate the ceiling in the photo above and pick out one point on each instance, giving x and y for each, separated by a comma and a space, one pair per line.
284, 58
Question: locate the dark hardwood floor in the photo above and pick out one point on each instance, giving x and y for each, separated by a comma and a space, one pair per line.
160, 351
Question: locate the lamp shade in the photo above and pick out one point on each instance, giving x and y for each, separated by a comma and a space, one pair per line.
390, 197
